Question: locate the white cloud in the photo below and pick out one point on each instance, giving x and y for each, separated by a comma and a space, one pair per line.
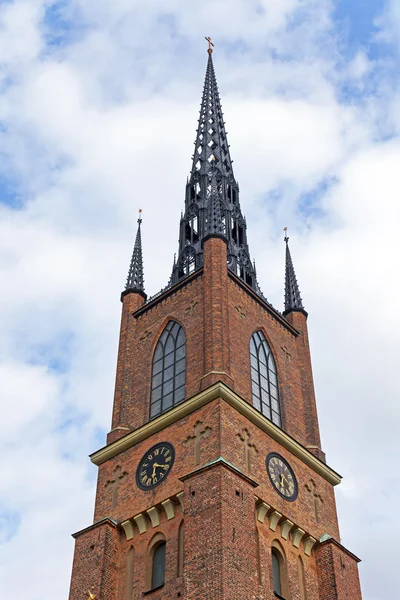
97, 128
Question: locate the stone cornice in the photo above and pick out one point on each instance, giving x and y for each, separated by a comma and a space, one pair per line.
268, 307
105, 521
325, 541
161, 296
218, 390
220, 462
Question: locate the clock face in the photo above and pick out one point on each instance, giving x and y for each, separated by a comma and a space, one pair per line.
282, 477
155, 465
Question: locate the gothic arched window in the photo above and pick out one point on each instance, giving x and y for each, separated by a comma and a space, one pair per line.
158, 567
277, 570
264, 379
169, 367
187, 262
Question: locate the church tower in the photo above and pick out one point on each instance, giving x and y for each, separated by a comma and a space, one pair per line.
212, 484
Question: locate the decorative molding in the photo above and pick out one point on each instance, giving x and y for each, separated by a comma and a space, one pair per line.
105, 521
128, 528
200, 432
274, 518
297, 534
192, 307
180, 497
286, 526
154, 515
169, 508
218, 390
241, 313
308, 543
220, 462
141, 522
262, 510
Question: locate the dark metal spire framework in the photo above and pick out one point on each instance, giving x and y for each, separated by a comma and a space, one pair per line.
135, 279
293, 299
212, 194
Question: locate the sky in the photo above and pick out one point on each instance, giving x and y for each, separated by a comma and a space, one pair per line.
98, 110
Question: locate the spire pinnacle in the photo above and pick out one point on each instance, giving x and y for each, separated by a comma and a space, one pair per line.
293, 299
210, 45
135, 279
212, 205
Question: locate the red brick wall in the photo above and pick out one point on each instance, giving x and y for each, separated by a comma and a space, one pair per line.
96, 562
219, 315
223, 560
337, 573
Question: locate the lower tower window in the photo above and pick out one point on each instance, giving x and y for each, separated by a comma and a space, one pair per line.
158, 570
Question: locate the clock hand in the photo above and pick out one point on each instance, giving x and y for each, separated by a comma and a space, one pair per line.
154, 468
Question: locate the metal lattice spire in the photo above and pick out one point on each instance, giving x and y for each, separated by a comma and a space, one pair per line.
212, 194
135, 279
293, 299
215, 223
211, 146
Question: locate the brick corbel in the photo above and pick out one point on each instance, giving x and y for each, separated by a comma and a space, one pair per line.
128, 528
262, 510
297, 534
308, 543
154, 515
141, 523
273, 519
286, 526
169, 508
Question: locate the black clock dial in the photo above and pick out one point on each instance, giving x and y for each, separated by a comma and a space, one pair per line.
282, 477
155, 465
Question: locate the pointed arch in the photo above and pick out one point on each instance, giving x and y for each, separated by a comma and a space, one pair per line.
168, 369
264, 378
180, 548
302, 579
156, 562
279, 570
130, 560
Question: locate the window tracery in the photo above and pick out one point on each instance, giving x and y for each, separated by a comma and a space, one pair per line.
264, 378
169, 369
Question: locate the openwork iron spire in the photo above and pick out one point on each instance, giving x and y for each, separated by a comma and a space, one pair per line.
293, 299
135, 279
212, 194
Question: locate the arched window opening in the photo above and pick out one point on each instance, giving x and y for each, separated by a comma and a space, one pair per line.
248, 279
264, 379
158, 566
276, 571
241, 236
235, 232
180, 550
302, 579
259, 576
187, 262
279, 571
169, 370
129, 574
192, 227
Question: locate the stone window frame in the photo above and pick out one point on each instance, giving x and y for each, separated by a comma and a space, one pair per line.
278, 552
157, 540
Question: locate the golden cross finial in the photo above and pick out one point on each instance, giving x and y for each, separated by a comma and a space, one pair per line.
286, 235
209, 45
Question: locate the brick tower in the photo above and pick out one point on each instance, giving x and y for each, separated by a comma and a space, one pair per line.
213, 484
